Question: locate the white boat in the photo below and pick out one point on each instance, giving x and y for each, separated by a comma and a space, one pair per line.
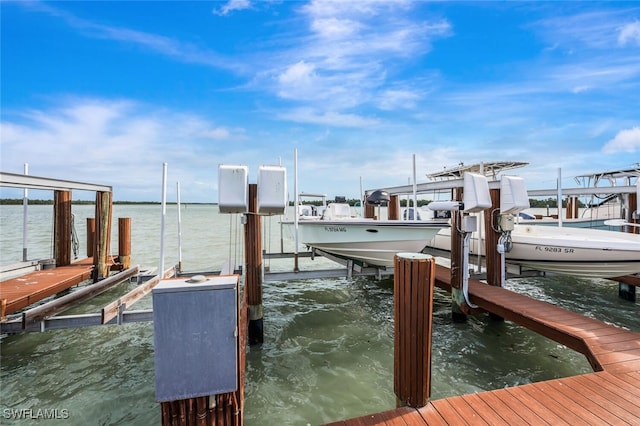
370, 242
600, 198
578, 252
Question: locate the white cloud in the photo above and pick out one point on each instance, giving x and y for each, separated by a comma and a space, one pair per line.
298, 74
580, 89
630, 34
328, 118
398, 99
347, 51
114, 142
627, 140
232, 5
335, 28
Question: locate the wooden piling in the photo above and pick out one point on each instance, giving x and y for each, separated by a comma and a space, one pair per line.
493, 263
394, 208
572, 211
253, 272
491, 237
457, 297
91, 236
633, 202
62, 227
369, 211
413, 285
124, 242
102, 235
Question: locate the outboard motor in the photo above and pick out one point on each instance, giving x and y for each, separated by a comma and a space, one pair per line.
378, 198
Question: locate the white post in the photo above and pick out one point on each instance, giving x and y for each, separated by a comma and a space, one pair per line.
164, 214
559, 202
25, 204
362, 201
295, 207
415, 190
179, 228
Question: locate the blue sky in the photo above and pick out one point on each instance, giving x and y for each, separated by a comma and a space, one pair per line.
106, 92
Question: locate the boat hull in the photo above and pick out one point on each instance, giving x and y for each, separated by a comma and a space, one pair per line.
371, 242
577, 252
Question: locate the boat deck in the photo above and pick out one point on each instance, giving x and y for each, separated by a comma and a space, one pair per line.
25, 290
611, 395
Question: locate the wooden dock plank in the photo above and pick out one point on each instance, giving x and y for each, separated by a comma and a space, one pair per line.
28, 289
430, 416
485, 411
584, 409
632, 377
514, 410
551, 405
591, 391
449, 412
404, 416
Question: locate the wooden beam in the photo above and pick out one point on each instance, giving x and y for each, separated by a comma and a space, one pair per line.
116, 307
65, 302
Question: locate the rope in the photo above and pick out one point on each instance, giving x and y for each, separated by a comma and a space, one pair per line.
75, 244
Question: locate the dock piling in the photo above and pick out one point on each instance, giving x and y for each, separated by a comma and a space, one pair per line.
124, 241
393, 212
253, 273
413, 284
102, 234
62, 227
493, 262
91, 236
457, 297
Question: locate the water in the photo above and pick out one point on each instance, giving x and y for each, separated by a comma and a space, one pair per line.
328, 351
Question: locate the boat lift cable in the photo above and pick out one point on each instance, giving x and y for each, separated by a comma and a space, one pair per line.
231, 245
465, 269
466, 237
75, 244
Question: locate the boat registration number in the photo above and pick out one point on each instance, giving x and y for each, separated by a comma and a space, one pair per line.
335, 229
552, 249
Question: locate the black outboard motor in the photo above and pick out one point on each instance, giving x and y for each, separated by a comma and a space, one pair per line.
378, 198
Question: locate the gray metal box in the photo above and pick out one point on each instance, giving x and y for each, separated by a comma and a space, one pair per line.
195, 337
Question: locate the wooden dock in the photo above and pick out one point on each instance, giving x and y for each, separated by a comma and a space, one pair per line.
610, 395
20, 292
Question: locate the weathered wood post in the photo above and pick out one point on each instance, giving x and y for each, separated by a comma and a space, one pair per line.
394, 208
124, 241
91, 236
62, 227
253, 273
103, 235
413, 288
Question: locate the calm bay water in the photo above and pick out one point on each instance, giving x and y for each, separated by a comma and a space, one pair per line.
328, 351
